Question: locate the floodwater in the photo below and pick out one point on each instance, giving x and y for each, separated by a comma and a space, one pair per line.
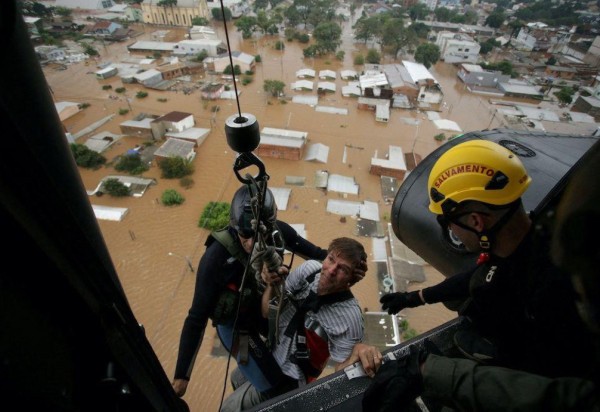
159, 286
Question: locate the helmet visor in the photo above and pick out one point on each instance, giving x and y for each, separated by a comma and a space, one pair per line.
244, 226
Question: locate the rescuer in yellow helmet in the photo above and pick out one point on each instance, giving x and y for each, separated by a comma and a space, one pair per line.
520, 307
537, 288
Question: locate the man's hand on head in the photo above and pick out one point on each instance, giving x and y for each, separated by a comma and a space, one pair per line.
360, 271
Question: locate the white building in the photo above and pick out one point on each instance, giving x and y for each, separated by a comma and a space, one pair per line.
429, 88
219, 63
202, 32
85, 4
213, 47
305, 73
457, 48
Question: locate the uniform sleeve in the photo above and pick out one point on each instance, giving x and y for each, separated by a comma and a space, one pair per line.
466, 385
207, 289
300, 246
452, 288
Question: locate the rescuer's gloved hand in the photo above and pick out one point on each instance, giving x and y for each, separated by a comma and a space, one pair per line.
395, 302
397, 383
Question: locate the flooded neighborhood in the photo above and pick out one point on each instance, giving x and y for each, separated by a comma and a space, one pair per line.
363, 127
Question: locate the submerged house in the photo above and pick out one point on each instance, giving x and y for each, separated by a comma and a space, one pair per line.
282, 143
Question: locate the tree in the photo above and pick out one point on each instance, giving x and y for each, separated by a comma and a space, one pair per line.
132, 163
218, 15
86, 157
40, 10
565, 95
340, 55
214, 216
171, 197
418, 11
551, 61
201, 56
488, 45
311, 51
115, 188
420, 29
260, 5
328, 36
236, 69
63, 11
247, 25
495, 20
175, 167
167, 3
200, 21
427, 54
373, 56
394, 36
367, 28
275, 87
442, 14
89, 50
359, 60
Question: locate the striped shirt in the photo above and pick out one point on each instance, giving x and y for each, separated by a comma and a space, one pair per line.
342, 321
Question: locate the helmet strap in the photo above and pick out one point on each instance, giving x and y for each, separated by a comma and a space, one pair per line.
488, 236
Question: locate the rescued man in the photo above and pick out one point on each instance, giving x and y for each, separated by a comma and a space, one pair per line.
320, 320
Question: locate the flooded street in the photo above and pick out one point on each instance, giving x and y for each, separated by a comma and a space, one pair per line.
159, 286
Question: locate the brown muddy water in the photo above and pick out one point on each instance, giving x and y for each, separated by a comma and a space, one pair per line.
159, 286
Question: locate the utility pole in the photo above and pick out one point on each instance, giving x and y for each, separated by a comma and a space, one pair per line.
187, 260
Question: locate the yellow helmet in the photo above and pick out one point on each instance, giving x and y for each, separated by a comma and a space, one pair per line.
477, 170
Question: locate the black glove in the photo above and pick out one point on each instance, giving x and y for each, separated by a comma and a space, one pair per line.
395, 302
396, 384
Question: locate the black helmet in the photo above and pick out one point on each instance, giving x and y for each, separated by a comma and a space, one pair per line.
240, 214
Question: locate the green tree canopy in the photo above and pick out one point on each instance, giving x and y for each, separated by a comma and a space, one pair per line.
236, 69
495, 20
171, 197
167, 3
175, 167
367, 28
442, 14
115, 188
86, 157
420, 29
328, 36
394, 36
488, 45
200, 21
63, 11
274, 87
247, 25
427, 54
565, 95
373, 56
214, 216
218, 15
418, 11
131, 163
